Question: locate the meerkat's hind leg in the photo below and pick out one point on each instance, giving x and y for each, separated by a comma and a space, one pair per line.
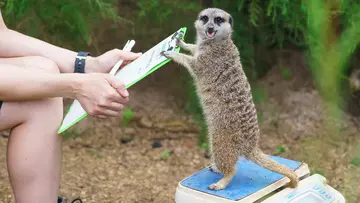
214, 169
225, 161
221, 184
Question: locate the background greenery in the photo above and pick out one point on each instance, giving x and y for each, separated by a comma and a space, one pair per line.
327, 30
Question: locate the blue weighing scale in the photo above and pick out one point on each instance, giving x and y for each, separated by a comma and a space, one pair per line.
254, 184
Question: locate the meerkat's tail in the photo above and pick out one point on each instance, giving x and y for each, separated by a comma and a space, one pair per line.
258, 157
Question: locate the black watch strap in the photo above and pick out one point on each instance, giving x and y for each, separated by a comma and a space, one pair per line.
80, 62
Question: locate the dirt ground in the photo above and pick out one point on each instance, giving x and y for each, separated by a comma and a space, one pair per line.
99, 167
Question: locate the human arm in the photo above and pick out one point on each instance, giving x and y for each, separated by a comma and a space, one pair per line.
16, 85
15, 44
101, 95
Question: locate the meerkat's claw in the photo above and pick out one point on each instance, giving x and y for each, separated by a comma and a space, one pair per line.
216, 186
167, 54
214, 169
179, 36
178, 40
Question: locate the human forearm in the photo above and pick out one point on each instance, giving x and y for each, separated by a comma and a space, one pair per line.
15, 44
17, 85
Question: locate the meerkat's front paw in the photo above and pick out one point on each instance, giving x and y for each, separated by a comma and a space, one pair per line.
179, 36
216, 186
179, 42
214, 169
167, 54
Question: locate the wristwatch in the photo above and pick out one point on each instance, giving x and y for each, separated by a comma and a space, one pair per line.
80, 62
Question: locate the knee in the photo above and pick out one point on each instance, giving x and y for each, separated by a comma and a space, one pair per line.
47, 110
43, 64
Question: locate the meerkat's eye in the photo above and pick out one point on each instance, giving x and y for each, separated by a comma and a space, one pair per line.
219, 20
204, 19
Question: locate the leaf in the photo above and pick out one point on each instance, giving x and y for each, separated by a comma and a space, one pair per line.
356, 160
240, 5
165, 155
128, 115
286, 73
204, 145
255, 12
281, 149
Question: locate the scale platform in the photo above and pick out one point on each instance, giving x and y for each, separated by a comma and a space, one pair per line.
251, 184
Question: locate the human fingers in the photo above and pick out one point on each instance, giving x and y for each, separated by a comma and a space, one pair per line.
115, 106
125, 63
123, 55
118, 85
106, 113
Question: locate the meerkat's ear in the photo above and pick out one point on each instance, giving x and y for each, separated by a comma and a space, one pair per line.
231, 21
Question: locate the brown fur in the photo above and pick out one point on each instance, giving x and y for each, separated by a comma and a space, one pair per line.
226, 99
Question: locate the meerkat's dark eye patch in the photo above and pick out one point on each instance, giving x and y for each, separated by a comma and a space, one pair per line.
205, 19
219, 20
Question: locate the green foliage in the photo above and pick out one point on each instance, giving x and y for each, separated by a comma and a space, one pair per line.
165, 155
73, 134
204, 146
60, 22
259, 116
356, 160
280, 149
259, 94
328, 49
161, 11
286, 73
273, 23
128, 116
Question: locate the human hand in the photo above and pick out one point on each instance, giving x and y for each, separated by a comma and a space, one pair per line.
101, 95
105, 62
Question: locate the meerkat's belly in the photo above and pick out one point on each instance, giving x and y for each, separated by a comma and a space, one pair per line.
218, 113
226, 106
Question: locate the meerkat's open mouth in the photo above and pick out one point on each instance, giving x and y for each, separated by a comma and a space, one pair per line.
210, 33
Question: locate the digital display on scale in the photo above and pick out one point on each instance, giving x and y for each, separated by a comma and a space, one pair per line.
317, 194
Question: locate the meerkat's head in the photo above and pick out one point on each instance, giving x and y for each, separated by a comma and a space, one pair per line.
214, 24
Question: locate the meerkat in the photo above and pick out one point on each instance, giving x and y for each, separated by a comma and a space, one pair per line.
225, 97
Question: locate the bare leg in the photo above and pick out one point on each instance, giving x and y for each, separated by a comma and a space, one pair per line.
34, 148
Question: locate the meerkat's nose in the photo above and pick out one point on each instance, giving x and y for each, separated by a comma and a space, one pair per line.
210, 29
